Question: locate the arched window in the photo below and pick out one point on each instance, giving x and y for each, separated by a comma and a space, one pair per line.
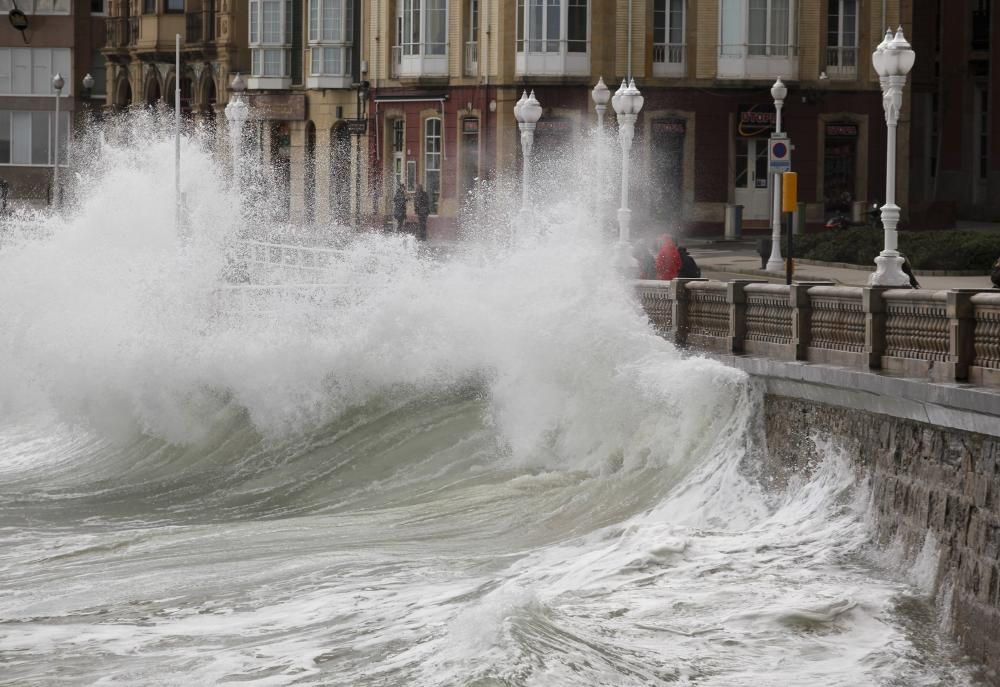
432, 160
340, 173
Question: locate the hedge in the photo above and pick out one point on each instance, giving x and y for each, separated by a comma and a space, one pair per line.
926, 250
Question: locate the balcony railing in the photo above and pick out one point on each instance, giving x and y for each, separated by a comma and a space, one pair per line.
420, 59
842, 62
200, 26
668, 59
118, 35
471, 58
133, 31
758, 61
397, 60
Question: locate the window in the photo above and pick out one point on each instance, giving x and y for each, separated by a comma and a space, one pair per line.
432, 160
935, 135
330, 34
29, 71
757, 39
549, 28
472, 37
270, 38
149, 6
398, 148
668, 31
97, 71
174, 5
26, 138
842, 35
39, 6
98, 6
423, 27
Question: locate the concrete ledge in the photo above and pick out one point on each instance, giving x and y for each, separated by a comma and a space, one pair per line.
955, 406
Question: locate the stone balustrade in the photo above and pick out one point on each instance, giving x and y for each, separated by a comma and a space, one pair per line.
937, 335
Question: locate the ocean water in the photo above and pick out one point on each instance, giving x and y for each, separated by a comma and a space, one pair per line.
479, 468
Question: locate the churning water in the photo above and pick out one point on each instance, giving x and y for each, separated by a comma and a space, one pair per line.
483, 469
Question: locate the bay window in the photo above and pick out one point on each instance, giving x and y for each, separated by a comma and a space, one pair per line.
757, 39
421, 38
27, 138
270, 44
331, 27
842, 38
553, 37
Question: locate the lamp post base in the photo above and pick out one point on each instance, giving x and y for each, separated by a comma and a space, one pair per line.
625, 262
889, 271
775, 264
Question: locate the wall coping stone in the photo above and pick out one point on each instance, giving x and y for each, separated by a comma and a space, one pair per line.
953, 405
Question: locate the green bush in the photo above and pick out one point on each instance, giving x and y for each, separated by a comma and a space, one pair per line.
927, 250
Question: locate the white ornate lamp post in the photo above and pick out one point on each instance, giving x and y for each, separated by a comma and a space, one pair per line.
236, 115
892, 59
601, 95
627, 102
775, 263
57, 83
527, 112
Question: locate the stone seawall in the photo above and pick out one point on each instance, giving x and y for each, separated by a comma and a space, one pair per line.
925, 479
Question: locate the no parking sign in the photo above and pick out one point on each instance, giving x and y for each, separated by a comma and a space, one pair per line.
779, 154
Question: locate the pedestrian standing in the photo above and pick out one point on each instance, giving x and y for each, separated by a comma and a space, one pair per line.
668, 259
399, 207
421, 206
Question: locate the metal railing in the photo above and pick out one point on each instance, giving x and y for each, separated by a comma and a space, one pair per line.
471, 58
668, 53
133, 31
842, 62
397, 61
118, 32
751, 50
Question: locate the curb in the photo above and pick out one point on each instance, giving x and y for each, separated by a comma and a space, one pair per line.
923, 273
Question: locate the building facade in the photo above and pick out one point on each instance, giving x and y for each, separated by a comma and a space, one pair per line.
445, 75
955, 153
61, 37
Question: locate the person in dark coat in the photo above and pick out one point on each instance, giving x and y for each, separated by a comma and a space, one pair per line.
689, 268
908, 271
422, 206
995, 274
4, 192
399, 207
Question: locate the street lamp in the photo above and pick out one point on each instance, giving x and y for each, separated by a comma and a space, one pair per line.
601, 95
527, 112
627, 102
892, 59
57, 83
775, 263
237, 113
362, 127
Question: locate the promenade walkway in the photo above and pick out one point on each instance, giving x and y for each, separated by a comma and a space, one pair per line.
727, 260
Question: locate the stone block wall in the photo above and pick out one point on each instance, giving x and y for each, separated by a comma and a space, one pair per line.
924, 479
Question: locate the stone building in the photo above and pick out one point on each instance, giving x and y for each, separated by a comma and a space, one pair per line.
62, 37
445, 76
140, 52
955, 151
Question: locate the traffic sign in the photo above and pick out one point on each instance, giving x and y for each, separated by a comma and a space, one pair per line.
779, 154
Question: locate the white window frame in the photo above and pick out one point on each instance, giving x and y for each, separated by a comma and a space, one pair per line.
261, 49
35, 67
25, 138
741, 59
47, 7
841, 59
323, 43
433, 156
669, 56
413, 53
544, 51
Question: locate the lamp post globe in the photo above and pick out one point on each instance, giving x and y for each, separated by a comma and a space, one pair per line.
893, 59
88, 82
601, 95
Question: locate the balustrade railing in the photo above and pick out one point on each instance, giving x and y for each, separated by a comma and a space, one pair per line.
471, 58
937, 335
118, 32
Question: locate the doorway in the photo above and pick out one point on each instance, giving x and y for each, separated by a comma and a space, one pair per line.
751, 179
